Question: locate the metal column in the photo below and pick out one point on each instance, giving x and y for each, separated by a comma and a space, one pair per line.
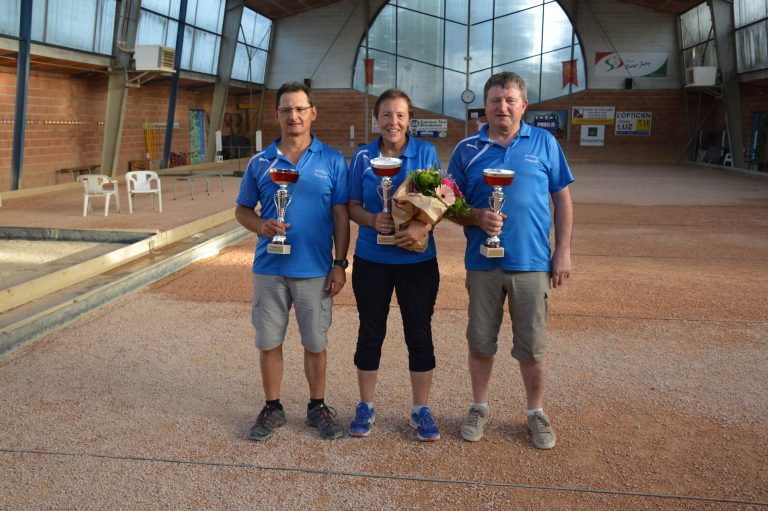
123, 39
722, 20
174, 83
233, 12
22, 77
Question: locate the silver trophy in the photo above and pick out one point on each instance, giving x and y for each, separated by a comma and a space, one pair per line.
282, 178
386, 169
496, 178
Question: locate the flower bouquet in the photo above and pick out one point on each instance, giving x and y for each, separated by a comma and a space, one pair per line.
427, 195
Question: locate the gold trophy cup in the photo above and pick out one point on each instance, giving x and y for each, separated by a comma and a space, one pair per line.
282, 178
496, 178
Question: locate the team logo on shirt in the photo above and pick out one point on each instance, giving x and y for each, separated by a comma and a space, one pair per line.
531, 158
322, 174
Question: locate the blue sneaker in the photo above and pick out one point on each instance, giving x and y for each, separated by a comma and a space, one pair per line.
426, 429
364, 419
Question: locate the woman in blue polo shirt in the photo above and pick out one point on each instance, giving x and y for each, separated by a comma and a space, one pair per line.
379, 268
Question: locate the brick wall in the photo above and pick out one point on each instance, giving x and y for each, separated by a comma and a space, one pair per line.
66, 122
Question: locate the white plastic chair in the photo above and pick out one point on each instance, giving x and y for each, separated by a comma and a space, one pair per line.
93, 186
143, 181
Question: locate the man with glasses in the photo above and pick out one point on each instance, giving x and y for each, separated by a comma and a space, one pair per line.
307, 278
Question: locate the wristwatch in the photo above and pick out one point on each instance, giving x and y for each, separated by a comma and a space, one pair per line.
341, 262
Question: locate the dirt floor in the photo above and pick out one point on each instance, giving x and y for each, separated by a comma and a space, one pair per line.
657, 368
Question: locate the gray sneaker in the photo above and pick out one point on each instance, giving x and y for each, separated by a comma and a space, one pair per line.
474, 423
269, 419
543, 435
323, 417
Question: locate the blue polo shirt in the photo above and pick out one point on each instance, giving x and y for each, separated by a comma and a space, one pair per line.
362, 187
540, 170
322, 184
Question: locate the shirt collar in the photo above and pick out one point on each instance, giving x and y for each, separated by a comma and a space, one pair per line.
410, 151
272, 151
525, 131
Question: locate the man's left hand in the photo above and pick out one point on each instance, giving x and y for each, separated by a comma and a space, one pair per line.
336, 280
561, 267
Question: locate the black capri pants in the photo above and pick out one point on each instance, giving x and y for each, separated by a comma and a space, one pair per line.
416, 288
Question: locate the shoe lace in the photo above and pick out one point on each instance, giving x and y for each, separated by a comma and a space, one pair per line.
474, 417
325, 416
362, 413
542, 424
425, 419
266, 415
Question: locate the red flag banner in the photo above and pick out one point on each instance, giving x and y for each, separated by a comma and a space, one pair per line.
570, 73
368, 71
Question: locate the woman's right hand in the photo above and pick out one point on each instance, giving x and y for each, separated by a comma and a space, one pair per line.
384, 223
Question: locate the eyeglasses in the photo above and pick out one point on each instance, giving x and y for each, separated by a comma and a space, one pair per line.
300, 110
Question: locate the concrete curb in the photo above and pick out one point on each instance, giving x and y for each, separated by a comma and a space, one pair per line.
32, 328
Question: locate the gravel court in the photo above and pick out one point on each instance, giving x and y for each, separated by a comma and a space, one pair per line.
657, 370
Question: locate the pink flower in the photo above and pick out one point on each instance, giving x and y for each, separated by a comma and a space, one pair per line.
452, 185
445, 193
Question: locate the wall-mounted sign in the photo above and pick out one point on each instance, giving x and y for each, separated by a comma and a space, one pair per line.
633, 123
592, 135
592, 115
554, 121
429, 128
425, 128
631, 64
477, 118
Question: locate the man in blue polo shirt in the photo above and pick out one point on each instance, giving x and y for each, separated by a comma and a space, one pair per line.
527, 271
308, 277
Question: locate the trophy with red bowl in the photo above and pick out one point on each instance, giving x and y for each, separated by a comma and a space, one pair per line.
386, 169
496, 178
282, 178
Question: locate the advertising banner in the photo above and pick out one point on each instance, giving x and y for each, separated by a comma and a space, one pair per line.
554, 121
630, 64
429, 128
633, 123
593, 114
592, 136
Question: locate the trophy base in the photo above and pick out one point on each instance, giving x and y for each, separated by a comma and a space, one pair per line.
278, 248
385, 239
491, 251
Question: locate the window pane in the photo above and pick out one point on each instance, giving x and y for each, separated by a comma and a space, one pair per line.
10, 13
552, 73
381, 36
558, 34
477, 83
749, 11
159, 6
456, 10
482, 10
455, 46
421, 82
383, 71
420, 37
752, 47
104, 27
206, 50
68, 30
481, 42
701, 55
454, 85
210, 14
695, 25
509, 6
433, 7
152, 29
517, 36
186, 54
529, 69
